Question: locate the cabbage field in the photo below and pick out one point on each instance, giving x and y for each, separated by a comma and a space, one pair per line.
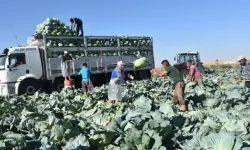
218, 118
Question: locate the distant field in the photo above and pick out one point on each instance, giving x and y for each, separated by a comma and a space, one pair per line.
228, 61
213, 66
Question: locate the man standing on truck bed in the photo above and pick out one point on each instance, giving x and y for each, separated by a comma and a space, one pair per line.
66, 59
194, 74
244, 68
177, 78
78, 23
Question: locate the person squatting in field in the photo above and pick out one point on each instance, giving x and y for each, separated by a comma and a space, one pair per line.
115, 84
244, 68
177, 79
194, 74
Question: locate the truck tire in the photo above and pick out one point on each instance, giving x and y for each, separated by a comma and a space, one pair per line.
58, 85
29, 87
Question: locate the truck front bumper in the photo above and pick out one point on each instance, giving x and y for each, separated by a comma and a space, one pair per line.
7, 89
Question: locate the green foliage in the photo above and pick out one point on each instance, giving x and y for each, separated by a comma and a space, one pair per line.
218, 118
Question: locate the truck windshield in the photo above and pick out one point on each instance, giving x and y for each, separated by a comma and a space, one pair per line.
2, 61
186, 57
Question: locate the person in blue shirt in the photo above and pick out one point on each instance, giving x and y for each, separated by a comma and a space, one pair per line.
86, 82
78, 23
117, 79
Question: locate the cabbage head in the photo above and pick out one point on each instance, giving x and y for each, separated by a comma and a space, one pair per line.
140, 63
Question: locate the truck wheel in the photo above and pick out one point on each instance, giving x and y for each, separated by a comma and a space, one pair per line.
29, 86
58, 85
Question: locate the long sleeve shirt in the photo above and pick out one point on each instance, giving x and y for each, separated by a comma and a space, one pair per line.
244, 70
118, 74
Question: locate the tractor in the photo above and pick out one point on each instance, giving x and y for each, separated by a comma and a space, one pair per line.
182, 58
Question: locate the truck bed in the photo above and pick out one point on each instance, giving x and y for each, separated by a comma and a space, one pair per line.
101, 53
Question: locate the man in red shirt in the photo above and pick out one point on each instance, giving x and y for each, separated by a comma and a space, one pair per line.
194, 74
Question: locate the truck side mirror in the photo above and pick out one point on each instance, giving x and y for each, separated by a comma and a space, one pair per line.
174, 58
11, 66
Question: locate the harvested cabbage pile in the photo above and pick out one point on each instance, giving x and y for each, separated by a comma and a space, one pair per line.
140, 63
218, 118
54, 27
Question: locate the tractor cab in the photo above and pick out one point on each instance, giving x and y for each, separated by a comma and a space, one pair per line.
184, 57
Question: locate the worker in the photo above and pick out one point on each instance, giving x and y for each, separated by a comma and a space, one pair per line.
115, 84
78, 23
66, 59
86, 82
244, 68
177, 79
194, 74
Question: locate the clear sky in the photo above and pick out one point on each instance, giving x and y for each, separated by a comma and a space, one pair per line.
219, 29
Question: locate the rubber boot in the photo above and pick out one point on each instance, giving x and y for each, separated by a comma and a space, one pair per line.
183, 108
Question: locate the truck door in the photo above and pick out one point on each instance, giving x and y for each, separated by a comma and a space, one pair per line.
34, 64
17, 66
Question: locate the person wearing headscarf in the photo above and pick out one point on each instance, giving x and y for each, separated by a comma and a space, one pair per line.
65, 65
115, 84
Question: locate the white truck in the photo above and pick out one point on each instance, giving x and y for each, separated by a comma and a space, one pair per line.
38, 65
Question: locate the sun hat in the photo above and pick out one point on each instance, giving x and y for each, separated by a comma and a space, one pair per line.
241, 58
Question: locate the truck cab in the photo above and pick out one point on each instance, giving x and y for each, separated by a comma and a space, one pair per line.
20, 70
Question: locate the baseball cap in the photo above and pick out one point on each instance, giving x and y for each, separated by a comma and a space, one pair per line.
65, 52
241, 57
